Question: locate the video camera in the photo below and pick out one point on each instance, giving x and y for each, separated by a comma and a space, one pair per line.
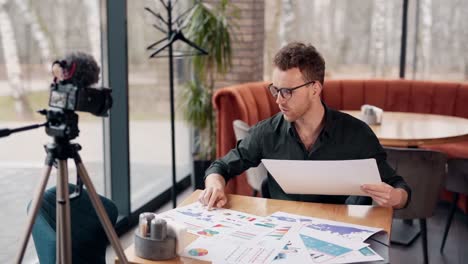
70, 89
70, 92
70, 97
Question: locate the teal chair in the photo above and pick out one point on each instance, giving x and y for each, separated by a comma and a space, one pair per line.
89, 240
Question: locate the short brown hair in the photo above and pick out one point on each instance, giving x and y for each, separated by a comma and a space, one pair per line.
305, 57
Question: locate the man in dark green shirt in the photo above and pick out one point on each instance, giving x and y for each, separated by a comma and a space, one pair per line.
305, 129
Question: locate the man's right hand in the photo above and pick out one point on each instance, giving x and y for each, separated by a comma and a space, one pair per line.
213, 195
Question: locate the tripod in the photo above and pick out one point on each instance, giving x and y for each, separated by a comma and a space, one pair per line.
61, 150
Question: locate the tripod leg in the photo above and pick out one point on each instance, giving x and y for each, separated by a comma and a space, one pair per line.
101, 212
64, 246
34, 209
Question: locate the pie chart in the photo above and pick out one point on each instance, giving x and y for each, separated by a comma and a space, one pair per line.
198, 252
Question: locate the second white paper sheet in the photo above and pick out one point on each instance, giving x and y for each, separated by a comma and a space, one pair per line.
330, 177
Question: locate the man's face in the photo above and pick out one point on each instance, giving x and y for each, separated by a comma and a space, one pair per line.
301, 99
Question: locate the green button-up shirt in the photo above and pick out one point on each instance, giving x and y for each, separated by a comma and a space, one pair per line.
343, 137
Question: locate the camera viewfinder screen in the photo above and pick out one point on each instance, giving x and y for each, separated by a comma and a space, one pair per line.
58, 99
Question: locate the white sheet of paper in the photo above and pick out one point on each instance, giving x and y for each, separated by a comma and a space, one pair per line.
253, 254
332, 177
264, 249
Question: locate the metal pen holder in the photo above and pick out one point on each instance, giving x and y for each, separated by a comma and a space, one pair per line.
152, 240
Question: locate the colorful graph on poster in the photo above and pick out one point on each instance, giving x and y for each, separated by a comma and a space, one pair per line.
207, 232
279, 232
199, 215
341, 230
317, 245
198, 252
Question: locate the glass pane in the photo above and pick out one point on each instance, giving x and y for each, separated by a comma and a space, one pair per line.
358, 39
149, 106
32, 35
437, 41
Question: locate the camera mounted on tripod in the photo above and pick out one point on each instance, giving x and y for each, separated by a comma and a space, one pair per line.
70, 92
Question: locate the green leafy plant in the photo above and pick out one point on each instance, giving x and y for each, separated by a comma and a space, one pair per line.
209, 29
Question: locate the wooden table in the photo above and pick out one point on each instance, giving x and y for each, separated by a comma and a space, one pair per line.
400, 129
412, 130
357, 214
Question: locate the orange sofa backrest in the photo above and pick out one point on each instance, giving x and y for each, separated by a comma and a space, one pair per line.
443, 98
249, 102
252, 102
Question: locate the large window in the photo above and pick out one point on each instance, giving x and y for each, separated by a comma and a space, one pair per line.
32, 35
362, 39
437, 40
358, 39
149, 109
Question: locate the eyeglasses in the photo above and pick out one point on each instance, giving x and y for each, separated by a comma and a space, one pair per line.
286, 93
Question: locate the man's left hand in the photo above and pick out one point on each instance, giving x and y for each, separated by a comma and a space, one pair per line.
385, 195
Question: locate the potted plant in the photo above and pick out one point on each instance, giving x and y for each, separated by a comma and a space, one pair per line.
208, 28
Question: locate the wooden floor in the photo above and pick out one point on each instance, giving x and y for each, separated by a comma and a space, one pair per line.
456, 247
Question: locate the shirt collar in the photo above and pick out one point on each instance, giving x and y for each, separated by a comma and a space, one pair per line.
327, 128
328, 120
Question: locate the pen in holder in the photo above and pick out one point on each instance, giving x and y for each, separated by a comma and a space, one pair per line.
152, 240
144, 223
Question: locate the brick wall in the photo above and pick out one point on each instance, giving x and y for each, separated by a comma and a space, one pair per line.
247, 43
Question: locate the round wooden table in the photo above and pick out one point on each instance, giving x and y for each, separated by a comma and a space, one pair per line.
399, 129
412, 130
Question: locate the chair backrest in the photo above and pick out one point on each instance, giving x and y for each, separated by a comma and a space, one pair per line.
424, 171
89, 241
457, 176
249, 102
255, 176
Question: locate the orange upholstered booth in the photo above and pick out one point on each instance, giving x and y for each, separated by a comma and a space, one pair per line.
252, 102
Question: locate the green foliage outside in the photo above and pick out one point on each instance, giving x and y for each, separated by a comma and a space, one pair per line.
144, 104
210, 30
